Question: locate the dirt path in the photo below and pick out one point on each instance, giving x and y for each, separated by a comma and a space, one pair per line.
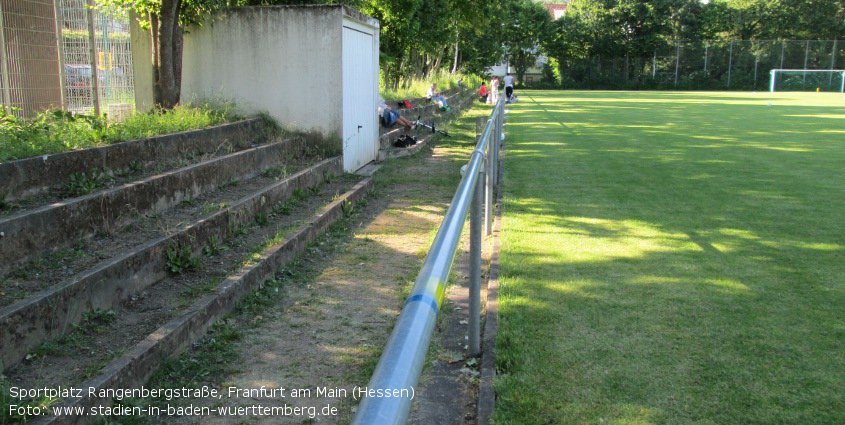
323, 335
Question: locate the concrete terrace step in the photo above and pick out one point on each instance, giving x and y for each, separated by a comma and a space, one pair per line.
30, 176
136, 365
48, 314
430, 114
158, 313
31, 233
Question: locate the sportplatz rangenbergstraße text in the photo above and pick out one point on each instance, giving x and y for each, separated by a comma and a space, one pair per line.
169, 394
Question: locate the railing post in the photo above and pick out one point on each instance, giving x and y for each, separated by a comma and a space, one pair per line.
499, 138
475, 220
480, 125
489, 172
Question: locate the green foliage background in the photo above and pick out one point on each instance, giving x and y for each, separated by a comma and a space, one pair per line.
596, 44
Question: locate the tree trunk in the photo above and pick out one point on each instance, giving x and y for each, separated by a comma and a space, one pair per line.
437, 61
154, 27
455, 62
169, 59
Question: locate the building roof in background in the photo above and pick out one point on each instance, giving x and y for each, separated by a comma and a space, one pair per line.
556, 10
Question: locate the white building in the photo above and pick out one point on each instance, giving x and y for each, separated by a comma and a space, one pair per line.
309, 67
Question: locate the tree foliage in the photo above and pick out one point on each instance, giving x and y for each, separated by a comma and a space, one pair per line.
422, 37
633, 31
526, 24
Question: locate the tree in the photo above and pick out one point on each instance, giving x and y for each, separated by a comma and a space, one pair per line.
526, 24
396, 34
166, 20
778, 19
473, 17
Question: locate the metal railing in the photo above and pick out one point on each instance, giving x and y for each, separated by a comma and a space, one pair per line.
388, 396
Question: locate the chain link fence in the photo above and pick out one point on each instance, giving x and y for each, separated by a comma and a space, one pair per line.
707, 65
64, 54
96, 60
29, 59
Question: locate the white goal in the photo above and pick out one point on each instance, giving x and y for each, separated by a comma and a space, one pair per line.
807, 80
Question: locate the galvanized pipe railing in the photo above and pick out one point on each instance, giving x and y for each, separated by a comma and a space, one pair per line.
387, 398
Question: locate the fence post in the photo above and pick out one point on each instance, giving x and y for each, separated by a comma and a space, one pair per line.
500, 134
480, 124
806, 53
654, 66
782, 52
489, 172
475, 263
60, 47
806, 59
92, 41
4, 63
730, 63
756, 65
677, 60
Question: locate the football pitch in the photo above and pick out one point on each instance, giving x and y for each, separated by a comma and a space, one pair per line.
673, 258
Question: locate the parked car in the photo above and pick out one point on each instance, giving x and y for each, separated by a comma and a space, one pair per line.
78, 77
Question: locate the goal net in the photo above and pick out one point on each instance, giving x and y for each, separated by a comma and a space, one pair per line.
830, 80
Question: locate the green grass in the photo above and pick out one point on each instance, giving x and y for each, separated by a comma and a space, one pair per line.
57, 131
673, 258
419, 87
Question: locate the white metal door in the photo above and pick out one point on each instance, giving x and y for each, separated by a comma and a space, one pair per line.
360, 134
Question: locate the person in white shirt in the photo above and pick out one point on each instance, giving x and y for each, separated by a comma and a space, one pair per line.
434, 96
508, 87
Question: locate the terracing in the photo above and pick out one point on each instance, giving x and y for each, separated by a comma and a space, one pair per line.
168, 241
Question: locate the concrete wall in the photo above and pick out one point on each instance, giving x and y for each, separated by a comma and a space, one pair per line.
286, 61
142, 65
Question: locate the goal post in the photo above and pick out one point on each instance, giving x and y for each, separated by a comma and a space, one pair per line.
807, 80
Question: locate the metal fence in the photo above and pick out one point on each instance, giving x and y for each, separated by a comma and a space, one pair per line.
64, 54
29, 59
96, 60
717, 65
401, 363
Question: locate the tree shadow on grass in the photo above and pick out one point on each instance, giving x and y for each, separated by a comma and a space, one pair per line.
659, 279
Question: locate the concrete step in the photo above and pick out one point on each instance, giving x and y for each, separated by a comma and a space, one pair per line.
430, 114
31, 233
31, 176
131, 367
49, 313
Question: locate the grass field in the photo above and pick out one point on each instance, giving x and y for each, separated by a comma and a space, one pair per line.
673, 258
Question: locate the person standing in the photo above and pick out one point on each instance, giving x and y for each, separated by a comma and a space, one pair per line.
494, 87
508, 87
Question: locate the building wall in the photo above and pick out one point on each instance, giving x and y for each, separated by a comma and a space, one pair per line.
285, 61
